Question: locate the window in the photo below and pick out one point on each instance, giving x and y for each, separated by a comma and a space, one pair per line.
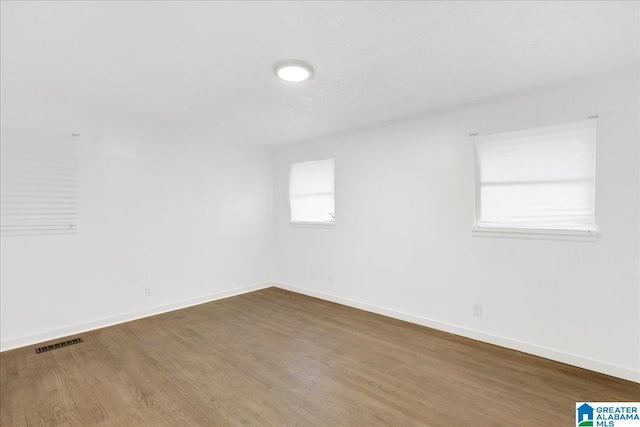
541, 178
311, 186
38, 191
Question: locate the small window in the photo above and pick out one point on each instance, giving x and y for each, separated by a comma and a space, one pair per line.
311, 192
541, 178
38, 183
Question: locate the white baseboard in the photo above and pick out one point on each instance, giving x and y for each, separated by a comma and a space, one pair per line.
110, 321
547, 353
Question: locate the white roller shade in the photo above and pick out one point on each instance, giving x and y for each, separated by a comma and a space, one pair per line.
537, 178
38, 183
311, 191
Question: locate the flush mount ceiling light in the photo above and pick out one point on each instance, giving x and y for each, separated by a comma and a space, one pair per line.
293, 70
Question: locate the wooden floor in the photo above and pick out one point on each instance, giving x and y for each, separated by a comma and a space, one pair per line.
275, 358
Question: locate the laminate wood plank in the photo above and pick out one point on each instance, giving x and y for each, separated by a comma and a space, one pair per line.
228, 365
387, 359
276, 358
219, 378
314, 354
437, 401
89, 378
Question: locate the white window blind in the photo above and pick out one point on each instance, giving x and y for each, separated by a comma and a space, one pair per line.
311, 192
38, 183
541, 178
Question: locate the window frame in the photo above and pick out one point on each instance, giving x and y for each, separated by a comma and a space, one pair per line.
40, 171
312, 224
514, 232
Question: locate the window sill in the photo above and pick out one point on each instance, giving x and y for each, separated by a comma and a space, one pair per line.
536, 234
312, 224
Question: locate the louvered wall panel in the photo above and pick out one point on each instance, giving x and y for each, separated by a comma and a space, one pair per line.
38, 183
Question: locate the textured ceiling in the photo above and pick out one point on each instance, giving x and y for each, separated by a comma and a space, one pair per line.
208, 65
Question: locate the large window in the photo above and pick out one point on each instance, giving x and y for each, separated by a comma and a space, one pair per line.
541, 178
311, 186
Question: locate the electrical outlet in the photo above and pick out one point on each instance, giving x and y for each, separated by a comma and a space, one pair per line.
313, 276
331, 280
147, 291
476, 310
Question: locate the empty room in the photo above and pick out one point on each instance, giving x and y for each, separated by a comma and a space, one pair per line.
320, 213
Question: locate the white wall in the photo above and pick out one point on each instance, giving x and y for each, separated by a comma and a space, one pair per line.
191, 218
185, 215
402, 244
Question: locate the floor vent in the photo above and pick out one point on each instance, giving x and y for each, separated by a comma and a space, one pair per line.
58, 345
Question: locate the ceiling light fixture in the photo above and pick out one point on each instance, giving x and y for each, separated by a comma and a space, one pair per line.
293, 70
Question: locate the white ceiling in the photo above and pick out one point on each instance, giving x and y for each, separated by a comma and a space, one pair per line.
208, 65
